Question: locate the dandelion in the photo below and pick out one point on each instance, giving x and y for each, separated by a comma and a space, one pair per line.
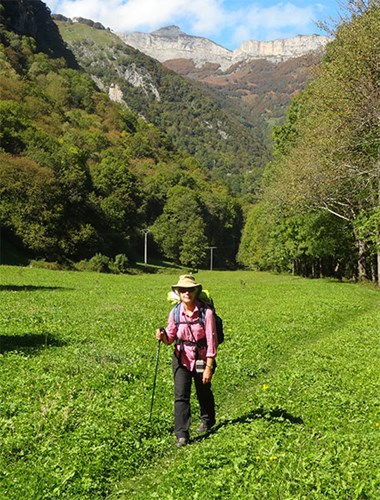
377, 424
265, 387
273, 457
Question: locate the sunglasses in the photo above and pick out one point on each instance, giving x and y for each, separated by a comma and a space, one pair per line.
184, 290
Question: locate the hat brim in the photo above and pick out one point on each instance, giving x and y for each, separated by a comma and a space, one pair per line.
175, 287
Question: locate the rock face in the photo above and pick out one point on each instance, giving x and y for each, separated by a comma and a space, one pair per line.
280, 50
171, 43
32, 18
142, 79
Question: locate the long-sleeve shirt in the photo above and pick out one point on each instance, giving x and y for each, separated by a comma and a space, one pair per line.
186, 353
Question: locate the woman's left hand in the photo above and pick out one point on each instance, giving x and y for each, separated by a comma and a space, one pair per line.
207, 375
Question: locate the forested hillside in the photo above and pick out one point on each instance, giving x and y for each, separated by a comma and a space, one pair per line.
319, 210
187, 114
258, 92
81, 175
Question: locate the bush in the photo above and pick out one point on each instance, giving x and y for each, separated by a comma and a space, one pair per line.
98, 263
43, 264
120, 264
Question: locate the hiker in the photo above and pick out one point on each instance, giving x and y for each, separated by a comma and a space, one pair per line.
193, 358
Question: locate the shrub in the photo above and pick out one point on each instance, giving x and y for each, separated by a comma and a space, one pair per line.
120, 264
98, 263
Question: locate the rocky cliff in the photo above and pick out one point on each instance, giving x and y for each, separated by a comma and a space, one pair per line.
171, 43
280, 50
32, 18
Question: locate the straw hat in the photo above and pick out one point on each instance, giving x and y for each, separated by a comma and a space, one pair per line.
187, 281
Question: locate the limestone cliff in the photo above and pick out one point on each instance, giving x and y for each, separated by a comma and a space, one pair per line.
280, 50
171, 43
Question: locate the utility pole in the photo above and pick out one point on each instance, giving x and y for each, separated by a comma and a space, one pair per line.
211, 257
146, 232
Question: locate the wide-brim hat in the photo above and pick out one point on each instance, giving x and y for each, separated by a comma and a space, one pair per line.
187, 281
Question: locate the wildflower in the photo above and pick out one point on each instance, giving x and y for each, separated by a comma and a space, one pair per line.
265, 387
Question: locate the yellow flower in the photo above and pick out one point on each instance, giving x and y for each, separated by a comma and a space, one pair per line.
265, 387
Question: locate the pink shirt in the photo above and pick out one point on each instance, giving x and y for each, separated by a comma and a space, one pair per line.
187, 355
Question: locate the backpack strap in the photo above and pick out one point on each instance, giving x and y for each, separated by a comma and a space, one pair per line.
176, 310
202, 314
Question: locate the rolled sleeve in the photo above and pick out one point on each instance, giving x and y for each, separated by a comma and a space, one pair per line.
171, 329
210, 331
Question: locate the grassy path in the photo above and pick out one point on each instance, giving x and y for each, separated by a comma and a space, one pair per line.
297, 390
298, 399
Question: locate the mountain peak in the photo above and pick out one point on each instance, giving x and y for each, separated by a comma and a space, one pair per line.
169, 31
171, 43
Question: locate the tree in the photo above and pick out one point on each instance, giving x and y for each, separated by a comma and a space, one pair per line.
180, 230
194, 244
312, 244
14, 120
331, 161
224, 221
118, 197
29, 204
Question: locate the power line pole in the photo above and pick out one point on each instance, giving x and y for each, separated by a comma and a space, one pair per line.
211, 256
146, 232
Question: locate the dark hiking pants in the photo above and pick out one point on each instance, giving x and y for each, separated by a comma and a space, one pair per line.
182, 392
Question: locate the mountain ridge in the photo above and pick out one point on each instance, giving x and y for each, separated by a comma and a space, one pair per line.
255, 92
170, 43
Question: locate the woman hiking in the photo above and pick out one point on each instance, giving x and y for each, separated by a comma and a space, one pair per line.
193, 358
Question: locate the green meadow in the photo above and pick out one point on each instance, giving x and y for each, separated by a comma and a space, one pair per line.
297, 389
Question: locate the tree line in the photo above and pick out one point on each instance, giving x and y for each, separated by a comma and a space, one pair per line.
319, 207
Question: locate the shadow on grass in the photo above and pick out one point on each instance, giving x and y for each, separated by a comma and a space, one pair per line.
28, 288
29, 342
275, 415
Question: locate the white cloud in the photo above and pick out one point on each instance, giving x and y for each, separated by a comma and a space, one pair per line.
279, 16
215, 19
131, 15
208, 16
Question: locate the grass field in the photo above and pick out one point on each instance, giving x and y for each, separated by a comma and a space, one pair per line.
297, 389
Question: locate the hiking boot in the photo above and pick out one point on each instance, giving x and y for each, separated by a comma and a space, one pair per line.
182, 442
204, 427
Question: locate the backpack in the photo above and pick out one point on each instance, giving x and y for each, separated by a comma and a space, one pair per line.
202, 315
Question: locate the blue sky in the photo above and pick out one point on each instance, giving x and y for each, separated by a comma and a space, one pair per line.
227, 22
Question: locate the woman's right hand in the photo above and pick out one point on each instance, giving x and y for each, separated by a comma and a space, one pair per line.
161, 334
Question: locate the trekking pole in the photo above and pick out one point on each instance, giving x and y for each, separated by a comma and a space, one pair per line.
155, 377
